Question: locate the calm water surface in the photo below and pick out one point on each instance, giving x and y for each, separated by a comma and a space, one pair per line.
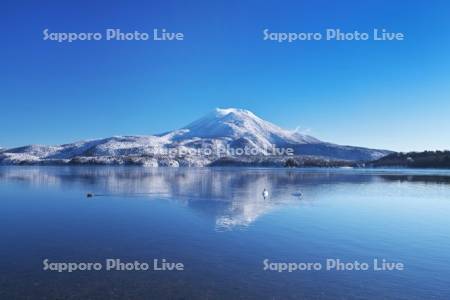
217, 224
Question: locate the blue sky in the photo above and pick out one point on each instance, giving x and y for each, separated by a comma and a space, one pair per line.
392, 95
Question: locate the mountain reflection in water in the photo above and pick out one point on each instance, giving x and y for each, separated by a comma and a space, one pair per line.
218, 224
235, 193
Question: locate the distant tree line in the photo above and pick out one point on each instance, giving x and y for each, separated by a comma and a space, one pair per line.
425, 159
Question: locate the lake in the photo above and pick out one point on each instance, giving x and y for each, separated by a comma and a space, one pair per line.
233, 243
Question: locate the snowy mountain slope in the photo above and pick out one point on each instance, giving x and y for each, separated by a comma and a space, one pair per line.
239, 123
200, 143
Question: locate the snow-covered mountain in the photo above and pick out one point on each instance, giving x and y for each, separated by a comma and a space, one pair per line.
235, 135
240, 123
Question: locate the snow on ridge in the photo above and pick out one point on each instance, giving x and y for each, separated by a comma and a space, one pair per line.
240, 123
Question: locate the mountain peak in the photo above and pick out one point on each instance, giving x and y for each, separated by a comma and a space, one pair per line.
237, 111
238, 123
